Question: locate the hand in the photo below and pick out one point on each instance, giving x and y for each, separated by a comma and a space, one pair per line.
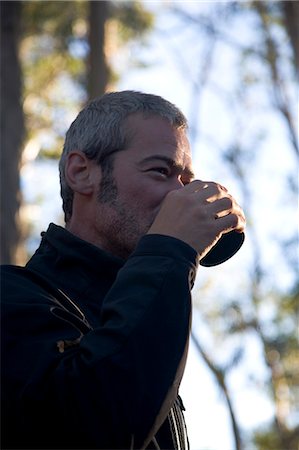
198, 214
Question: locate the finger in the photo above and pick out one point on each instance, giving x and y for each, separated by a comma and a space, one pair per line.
208, 188
226, 205
214, 192
231, 221
221, 207
195, 186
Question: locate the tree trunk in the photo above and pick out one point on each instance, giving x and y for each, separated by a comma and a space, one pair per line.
291, 18
97, 66
12, 131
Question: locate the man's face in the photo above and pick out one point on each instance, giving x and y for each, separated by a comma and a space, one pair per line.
157, 161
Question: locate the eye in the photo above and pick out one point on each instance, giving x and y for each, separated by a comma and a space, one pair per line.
160, 170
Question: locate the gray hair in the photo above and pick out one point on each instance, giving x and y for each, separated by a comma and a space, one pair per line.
99, 130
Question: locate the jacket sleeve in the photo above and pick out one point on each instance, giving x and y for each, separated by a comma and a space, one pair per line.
109, 390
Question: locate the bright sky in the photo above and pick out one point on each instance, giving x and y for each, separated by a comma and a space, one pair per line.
206, 413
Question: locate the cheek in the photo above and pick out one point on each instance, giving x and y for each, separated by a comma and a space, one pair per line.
149, 198
142, 193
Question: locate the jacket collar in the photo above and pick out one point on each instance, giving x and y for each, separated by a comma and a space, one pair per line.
73, 248
73, 264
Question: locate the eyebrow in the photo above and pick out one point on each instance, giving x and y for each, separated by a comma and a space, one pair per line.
170, 162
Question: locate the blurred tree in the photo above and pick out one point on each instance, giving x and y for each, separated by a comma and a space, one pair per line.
98, 71
286, 16
12, 131
112, 25
290, 12
65, 54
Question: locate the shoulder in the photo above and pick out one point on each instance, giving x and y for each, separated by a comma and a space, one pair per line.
14, 278
20, 286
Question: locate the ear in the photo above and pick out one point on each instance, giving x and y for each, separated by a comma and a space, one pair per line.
80, 173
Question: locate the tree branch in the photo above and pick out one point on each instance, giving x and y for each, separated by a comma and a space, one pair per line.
220, 375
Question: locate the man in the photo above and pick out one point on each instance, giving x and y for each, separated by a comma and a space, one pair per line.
96, 326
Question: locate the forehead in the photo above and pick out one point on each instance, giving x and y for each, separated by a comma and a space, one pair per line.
154, 135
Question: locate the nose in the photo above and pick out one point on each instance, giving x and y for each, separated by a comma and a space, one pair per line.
179, 182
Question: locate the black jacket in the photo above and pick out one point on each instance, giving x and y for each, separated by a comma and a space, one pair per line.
94, 347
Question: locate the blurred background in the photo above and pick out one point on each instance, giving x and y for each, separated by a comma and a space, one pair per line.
232, 67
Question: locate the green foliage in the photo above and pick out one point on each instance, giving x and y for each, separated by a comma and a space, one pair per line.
133, 19
52, 18
53, 51
267, 438
48, 64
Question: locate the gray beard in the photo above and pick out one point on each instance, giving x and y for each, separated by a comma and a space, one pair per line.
123, 233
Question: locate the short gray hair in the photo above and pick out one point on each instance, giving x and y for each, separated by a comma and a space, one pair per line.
99, 129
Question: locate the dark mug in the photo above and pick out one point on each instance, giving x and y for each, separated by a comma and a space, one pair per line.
226, 247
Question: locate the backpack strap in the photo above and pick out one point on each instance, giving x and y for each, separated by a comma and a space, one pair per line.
64, 308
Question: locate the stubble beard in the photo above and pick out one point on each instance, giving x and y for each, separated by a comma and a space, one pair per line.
121, 224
